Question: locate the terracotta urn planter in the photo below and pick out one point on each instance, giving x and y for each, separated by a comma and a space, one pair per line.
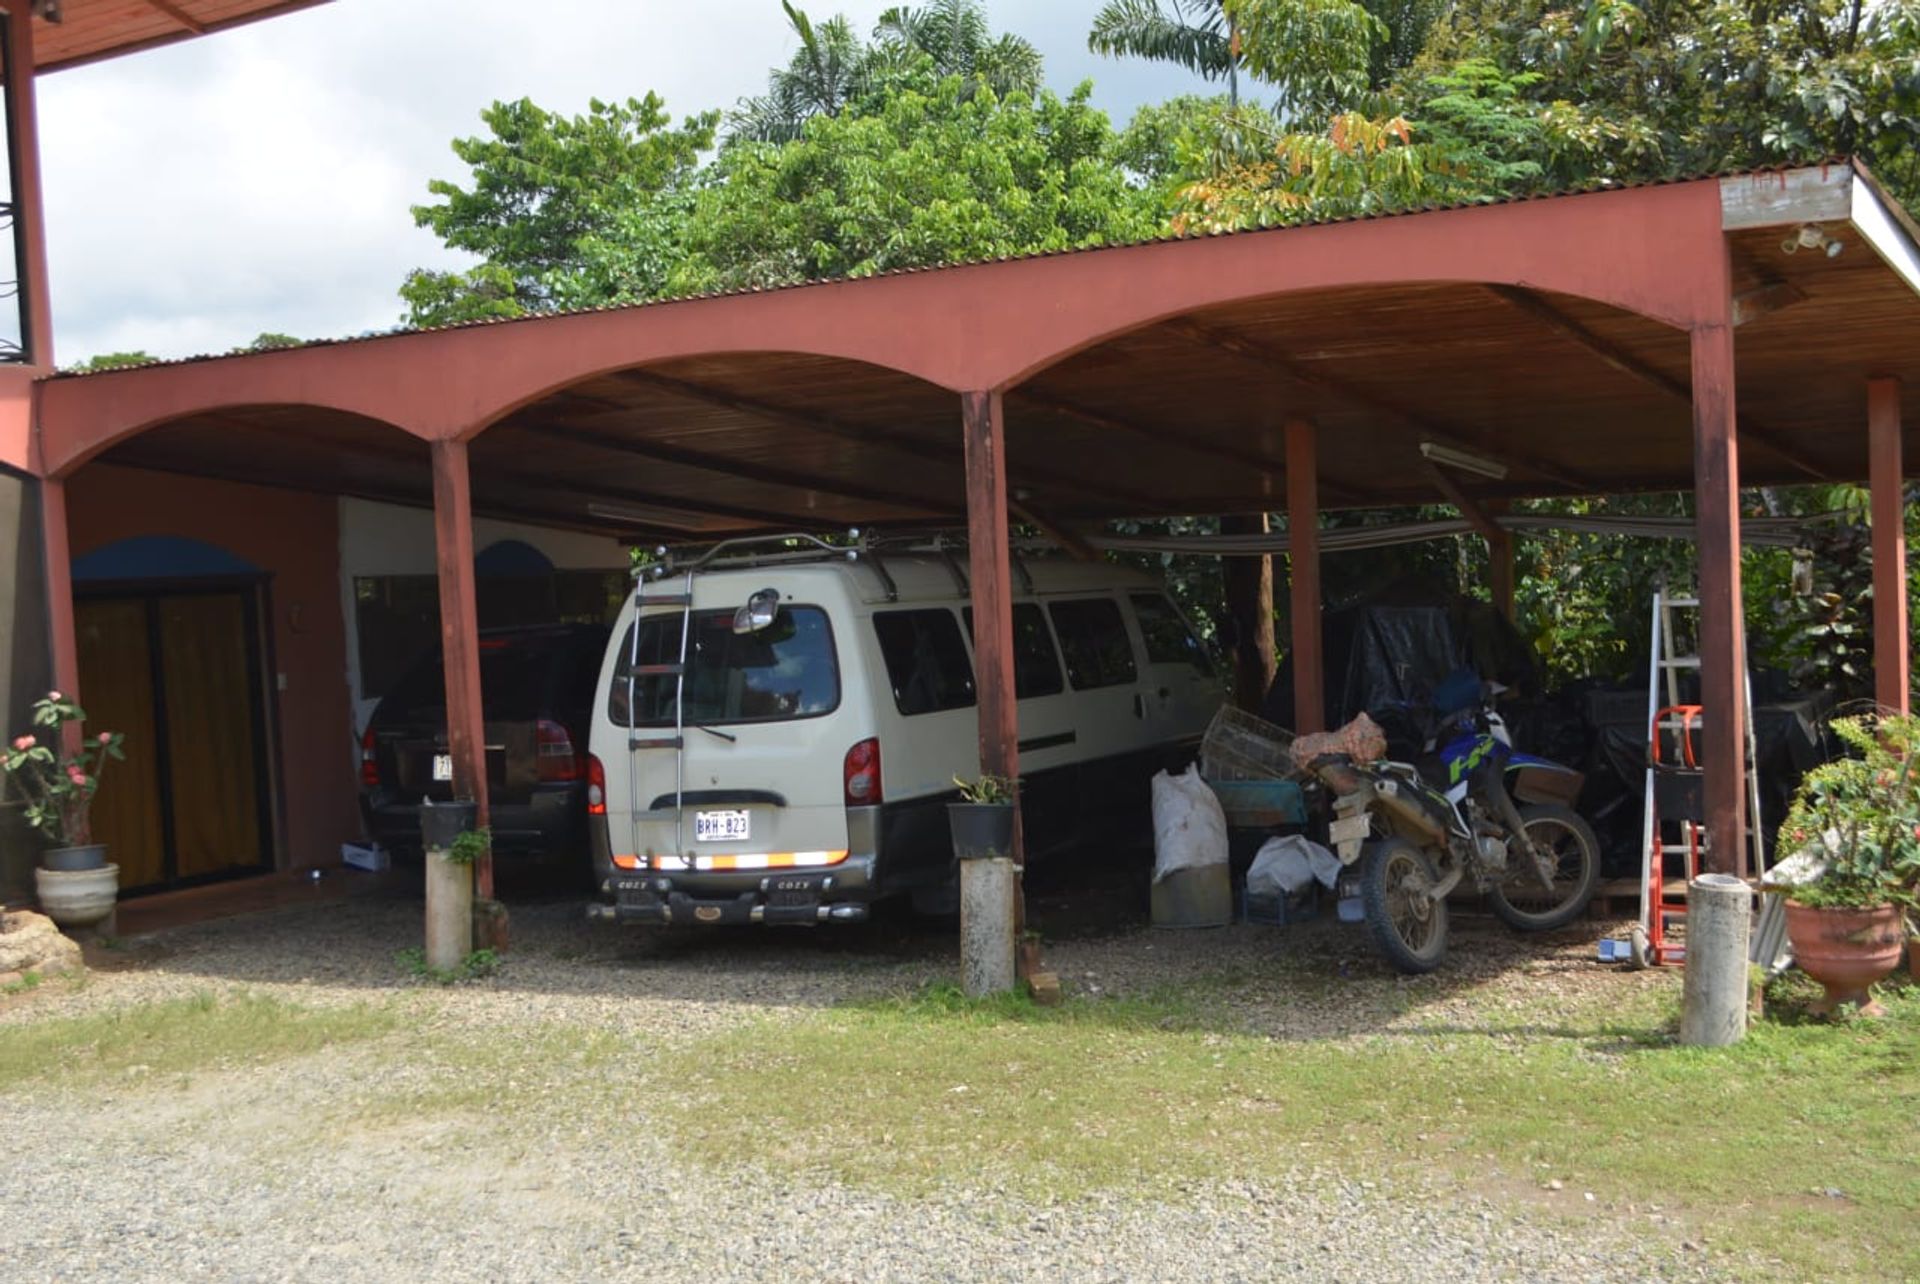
1846, 950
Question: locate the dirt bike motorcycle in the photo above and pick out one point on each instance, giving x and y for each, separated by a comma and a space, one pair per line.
1473, 808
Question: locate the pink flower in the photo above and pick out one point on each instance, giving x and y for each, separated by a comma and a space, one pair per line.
77, 776
104, 737
55, 695
25, 742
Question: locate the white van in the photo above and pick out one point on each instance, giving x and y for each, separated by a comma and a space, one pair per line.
828, 705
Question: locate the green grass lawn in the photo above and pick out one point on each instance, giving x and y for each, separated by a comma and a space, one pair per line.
1801, 1144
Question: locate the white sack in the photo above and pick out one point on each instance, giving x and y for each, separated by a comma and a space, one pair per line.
1285, 865
1189, 826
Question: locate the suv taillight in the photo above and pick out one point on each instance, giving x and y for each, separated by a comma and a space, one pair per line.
860, 774
596, 787
369, 762
558, 762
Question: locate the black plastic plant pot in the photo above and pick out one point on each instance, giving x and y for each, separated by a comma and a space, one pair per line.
441, 823
981, 831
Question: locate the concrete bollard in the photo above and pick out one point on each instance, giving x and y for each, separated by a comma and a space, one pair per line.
1714, 989
449, 884
449, 911
986, 925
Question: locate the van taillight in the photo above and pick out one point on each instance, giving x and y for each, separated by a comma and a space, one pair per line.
558, 762
861, 774
596, 787
369, 762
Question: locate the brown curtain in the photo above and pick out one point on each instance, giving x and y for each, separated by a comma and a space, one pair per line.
213, 756
116, 687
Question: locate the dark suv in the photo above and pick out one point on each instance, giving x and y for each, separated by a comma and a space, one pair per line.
537, 688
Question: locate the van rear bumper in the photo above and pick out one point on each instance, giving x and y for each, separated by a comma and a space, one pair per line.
800, 896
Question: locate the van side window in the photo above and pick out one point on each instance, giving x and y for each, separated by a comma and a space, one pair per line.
1094, 639
1036, 664
927, 663
1168, 639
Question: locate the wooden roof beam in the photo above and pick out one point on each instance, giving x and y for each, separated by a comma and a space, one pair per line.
1269, 469
871, 436
1070, 540
1470, 508
1266, 355
179, 15
1630, 364
768, 474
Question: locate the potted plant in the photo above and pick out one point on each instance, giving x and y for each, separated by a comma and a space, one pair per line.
1854, 829
982, 821
76, 884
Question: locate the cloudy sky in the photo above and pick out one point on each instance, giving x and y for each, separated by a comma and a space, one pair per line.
259, 180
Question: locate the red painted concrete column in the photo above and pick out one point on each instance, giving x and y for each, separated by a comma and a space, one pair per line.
29, 207
1303, 547
1716, 469
989, 568
459, 634
63, 642
1892, 665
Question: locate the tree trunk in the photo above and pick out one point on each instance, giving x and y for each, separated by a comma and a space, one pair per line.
1249, 582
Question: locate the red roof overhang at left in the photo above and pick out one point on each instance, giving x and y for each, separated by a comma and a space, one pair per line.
90, 30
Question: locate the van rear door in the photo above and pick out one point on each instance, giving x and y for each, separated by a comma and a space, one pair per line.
759, 779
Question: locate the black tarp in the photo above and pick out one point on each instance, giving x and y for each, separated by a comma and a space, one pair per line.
1394, 648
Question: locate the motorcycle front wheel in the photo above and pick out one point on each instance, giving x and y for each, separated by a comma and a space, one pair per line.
1520, 899
1408, 926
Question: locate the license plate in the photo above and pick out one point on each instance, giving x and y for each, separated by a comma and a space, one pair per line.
443, 766
720, 826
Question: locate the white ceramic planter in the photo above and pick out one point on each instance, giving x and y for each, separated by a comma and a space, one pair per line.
78, 898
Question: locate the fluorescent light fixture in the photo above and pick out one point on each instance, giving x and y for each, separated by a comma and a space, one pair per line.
657, 516
1465, 461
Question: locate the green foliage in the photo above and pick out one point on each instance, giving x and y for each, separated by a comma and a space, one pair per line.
479, 964
987, 789
928, 173
117, 360
1511, 96
833, 69
1861, 815
57, 786
470, 846
268, 340
1826, 634
546, 189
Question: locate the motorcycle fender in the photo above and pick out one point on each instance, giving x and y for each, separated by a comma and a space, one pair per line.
1346, 834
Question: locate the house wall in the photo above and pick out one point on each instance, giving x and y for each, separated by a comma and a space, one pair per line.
295, 538
24, 657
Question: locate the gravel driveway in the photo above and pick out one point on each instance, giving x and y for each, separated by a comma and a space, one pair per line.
278, 1172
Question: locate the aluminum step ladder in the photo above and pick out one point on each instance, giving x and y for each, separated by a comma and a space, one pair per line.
677, 670
1673, 720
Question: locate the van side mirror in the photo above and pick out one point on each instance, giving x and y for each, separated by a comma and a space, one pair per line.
759, 612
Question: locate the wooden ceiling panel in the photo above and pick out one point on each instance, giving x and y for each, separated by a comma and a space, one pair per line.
90, 30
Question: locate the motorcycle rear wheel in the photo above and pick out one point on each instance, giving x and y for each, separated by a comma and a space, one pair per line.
1408, 927
1520, 901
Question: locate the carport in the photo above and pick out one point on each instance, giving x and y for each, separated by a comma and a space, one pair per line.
1587, 343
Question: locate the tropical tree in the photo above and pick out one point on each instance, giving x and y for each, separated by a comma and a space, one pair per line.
831, 65
116, 360
544, 188
927, 172
1196, 34
955, 36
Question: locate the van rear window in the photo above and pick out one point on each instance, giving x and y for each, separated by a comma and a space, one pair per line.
785, 671
927, 663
